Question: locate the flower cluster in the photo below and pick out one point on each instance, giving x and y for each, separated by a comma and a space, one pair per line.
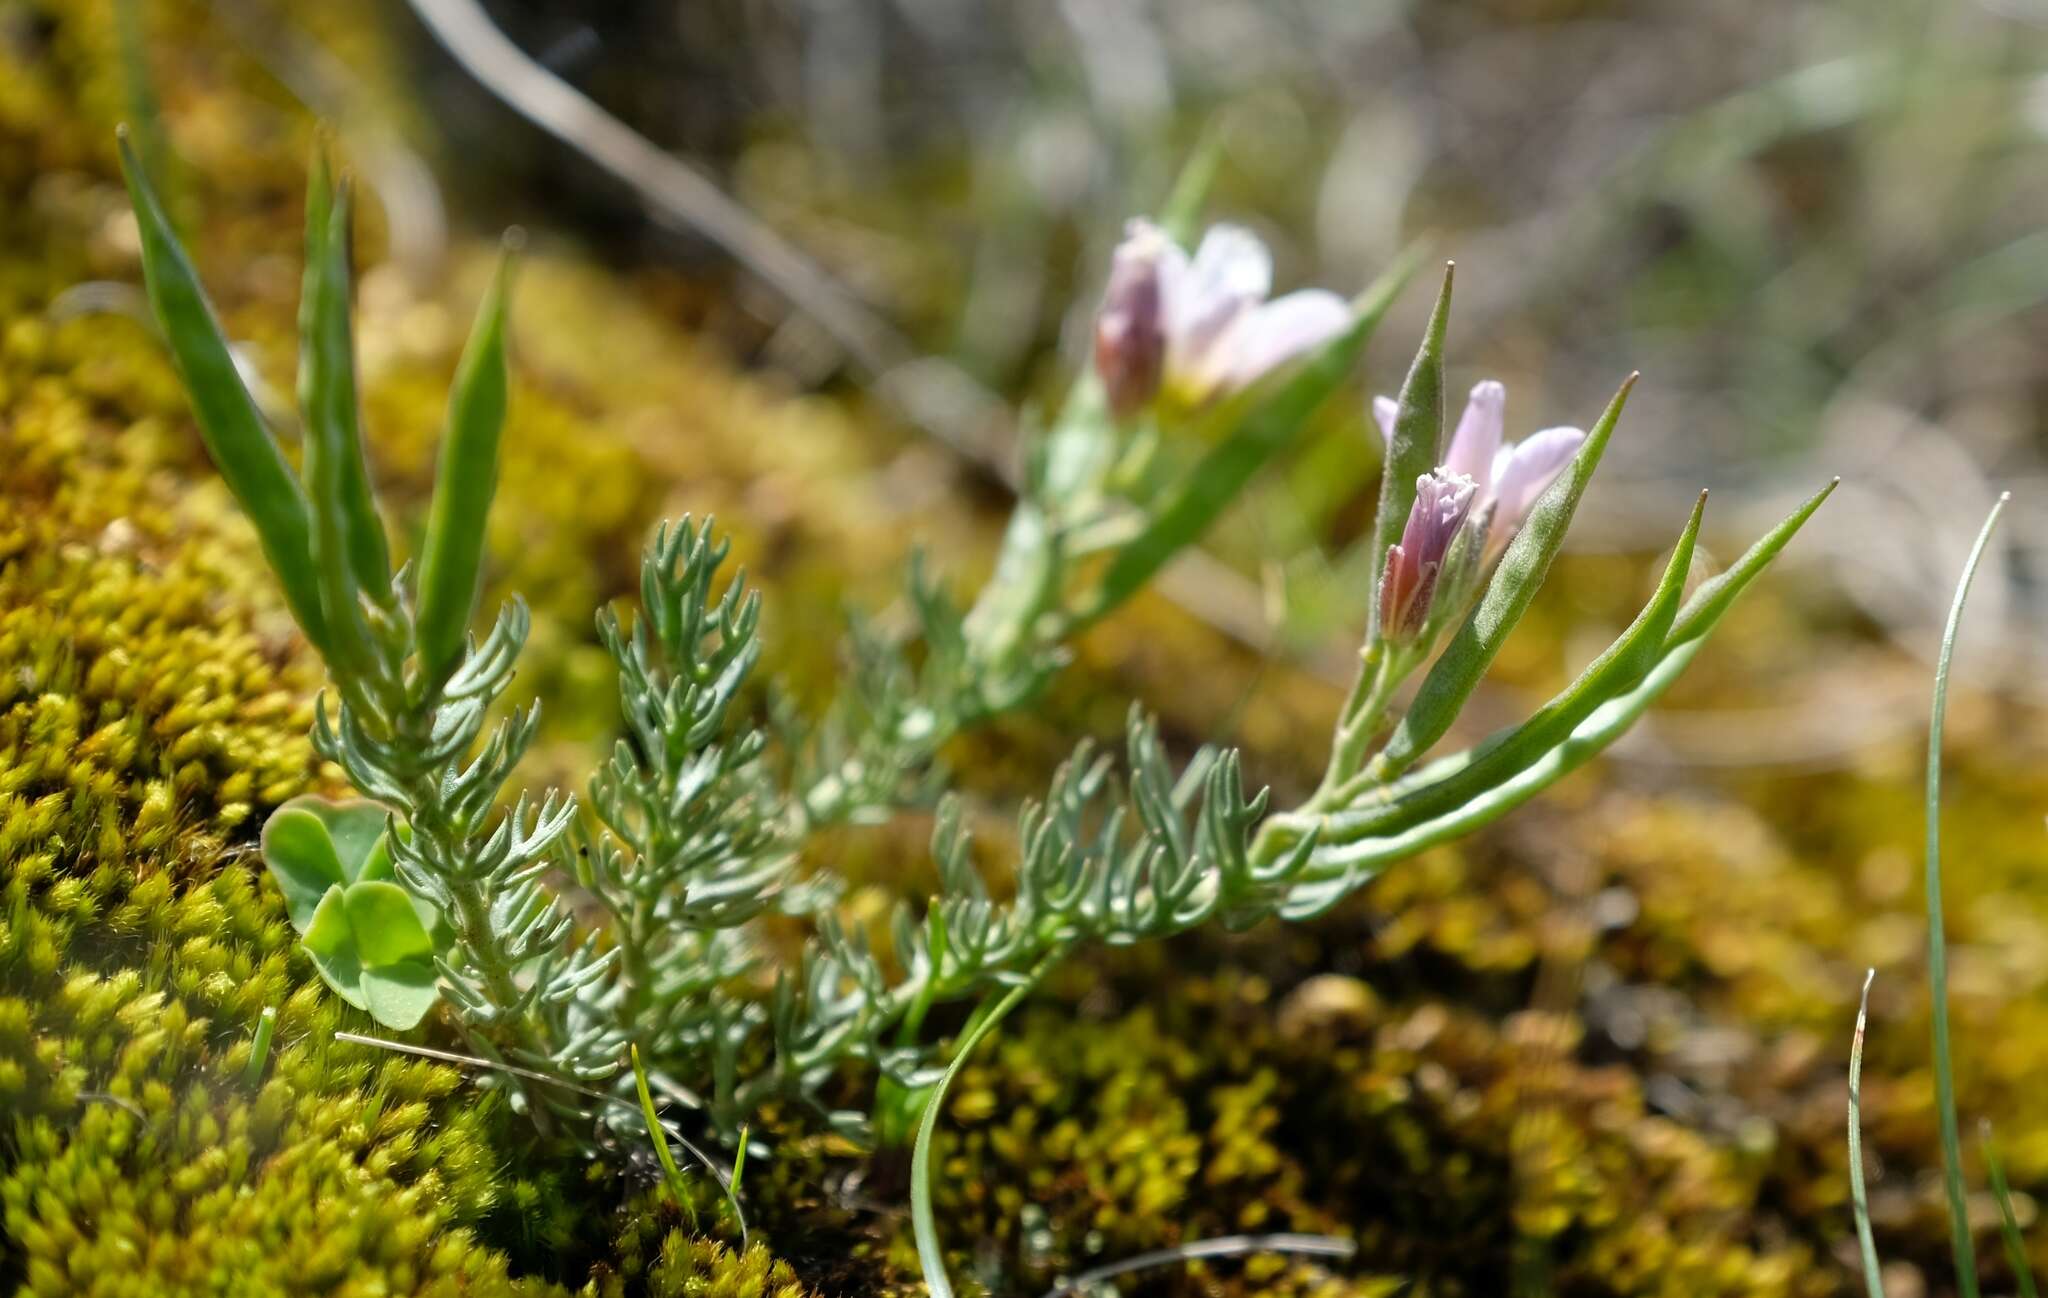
1466, 511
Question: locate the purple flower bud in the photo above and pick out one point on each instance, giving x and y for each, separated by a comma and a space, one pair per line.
1443, 501
1130, 328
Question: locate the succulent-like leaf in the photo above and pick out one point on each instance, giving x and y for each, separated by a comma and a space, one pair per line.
1276, 415
1515, 582
229, 422
1417, 439
331, 943
387, 928
301, 857
311, 844
399, 995
451, 560
369, 944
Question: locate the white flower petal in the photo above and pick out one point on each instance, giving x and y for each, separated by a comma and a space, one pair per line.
1231, 273
1477, 441
1280, 331
1384, 411
1521, 474
1231, 262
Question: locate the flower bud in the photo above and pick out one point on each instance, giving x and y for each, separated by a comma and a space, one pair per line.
1415, 567
1130, 327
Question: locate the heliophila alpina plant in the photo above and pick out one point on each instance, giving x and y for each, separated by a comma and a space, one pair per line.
696, 822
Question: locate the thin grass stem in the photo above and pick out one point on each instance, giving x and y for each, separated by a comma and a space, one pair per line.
1937, 944
2008, 1224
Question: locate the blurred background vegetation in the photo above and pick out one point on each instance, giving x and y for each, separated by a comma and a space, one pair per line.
1599, 1050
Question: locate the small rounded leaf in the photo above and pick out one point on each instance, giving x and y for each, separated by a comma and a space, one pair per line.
331, 944
387, 928
399, 995
301, 857
330, 932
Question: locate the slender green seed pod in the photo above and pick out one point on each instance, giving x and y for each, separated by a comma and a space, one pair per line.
335, 479
327, 378
451, 562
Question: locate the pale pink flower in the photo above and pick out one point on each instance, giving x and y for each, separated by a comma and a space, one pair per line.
1207, 317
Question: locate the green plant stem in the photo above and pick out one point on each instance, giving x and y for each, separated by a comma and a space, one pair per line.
1937, 944
432, 823
924, 1224
259, 1048
1380, 671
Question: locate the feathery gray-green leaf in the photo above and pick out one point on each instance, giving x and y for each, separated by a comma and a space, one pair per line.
451, 561
1267, 427
1515, 582
1416, 443
229, 422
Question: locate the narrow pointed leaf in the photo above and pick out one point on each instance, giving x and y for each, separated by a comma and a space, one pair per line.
1515, 582
924, 1224
1267, 428
451, 563
1416, 443
1618, 669
1712, 599
229, 422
